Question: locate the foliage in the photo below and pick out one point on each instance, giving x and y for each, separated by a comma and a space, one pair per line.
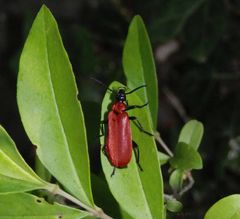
54, 122
226, 208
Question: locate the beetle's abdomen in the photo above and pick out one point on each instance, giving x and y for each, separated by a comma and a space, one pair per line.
119, 139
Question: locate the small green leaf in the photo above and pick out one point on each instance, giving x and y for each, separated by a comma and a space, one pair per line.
49, 108
22, 205
176, 180
139, 67
15, 174
192, 133
226, 208
174, 206
172, 17
163, 158
186, 158
139, 193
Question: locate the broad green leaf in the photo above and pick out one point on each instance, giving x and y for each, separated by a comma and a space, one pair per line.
49, 108
192, 133
139, 193
41, 170
176, 180
139, 67
15, 174
226, 208
172, 17
186, 158
23, 205
163, 158
108, 203
174, 206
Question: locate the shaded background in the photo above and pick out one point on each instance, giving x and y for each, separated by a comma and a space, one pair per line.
197, 52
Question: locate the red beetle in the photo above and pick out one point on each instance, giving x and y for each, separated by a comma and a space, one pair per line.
119, 144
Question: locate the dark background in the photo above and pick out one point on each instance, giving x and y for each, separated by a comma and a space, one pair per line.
201, 75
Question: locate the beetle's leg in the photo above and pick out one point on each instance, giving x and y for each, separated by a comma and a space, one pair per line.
102, 131
138, 124
136, 106
102, 123
113, 172
137, 155
104, 150
136, 89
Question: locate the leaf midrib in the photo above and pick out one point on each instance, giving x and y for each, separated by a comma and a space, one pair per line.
56, 105
19, 168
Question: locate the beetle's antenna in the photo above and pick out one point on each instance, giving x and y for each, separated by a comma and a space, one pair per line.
100, 82
136, 89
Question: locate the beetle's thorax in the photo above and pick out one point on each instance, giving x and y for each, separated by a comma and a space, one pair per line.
119, 107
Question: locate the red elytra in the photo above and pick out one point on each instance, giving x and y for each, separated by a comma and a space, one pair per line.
119, 138
119, 143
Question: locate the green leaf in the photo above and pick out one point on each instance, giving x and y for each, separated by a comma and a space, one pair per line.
174, 206
139, 67
172, 17
15, 174
163, 158
226, 208
41, 170
139, 193
22, 205
186, 157
108, 203
192, 133
49, 108
176, 180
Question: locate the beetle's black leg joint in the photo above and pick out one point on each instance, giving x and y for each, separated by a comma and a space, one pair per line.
137, 155
138, 124
102, 129
104, 150
113, 172
102, 123
136, 106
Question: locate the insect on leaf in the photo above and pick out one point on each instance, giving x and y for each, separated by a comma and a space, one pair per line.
139, 193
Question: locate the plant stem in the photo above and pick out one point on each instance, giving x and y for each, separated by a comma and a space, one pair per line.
189, 185
163, 144
176, 103
97, 212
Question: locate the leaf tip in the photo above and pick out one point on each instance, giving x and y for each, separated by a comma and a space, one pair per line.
44, 10
137, 19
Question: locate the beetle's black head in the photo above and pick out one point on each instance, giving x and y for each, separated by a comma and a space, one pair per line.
121, 96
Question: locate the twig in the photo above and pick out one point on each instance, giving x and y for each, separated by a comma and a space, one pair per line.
163, 144
168, 197
189, 185
177, 105
97, 212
